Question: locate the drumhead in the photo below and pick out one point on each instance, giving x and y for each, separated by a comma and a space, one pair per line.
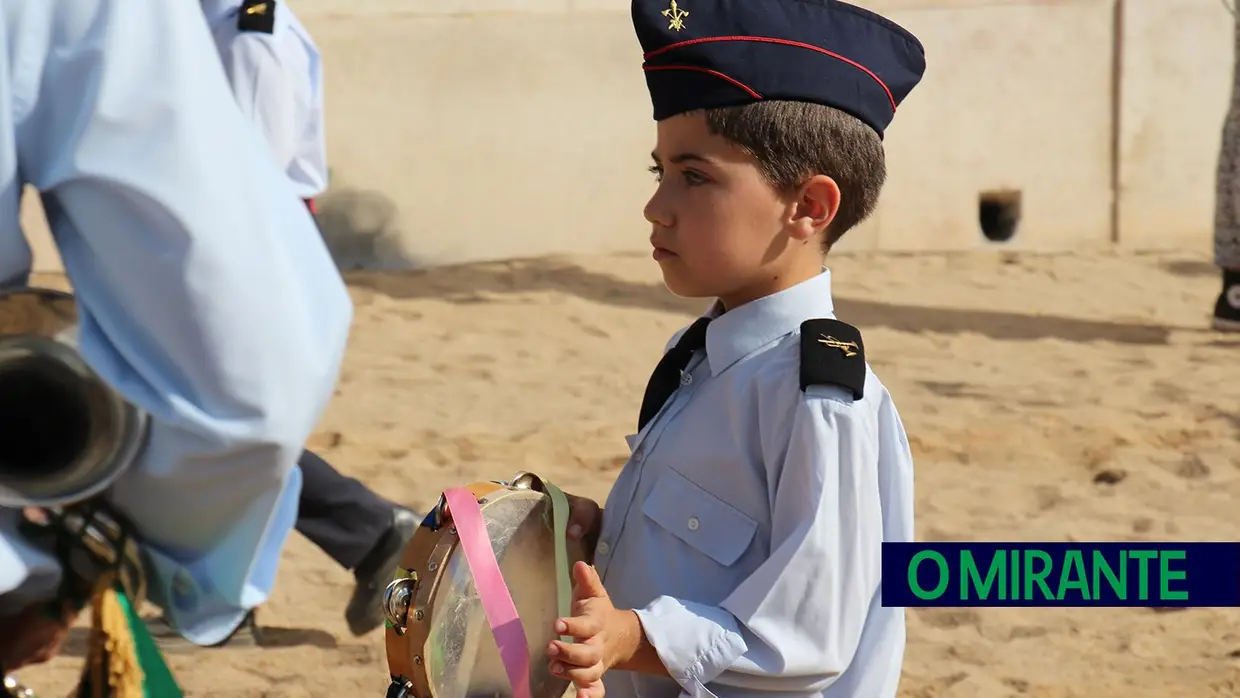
461, 657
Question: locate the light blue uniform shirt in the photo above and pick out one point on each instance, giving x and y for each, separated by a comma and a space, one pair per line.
206, 294
277, 80
746, 527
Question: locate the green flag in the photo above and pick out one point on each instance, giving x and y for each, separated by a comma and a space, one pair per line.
123, 661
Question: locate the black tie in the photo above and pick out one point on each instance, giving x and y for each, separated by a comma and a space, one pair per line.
666, 376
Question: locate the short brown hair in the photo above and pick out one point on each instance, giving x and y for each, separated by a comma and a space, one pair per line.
793, 141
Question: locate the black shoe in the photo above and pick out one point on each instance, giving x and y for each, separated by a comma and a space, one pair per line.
1227, 310
247, 635
365, 610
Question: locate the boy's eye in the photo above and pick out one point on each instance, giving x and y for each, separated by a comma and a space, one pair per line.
657, 172
694, 178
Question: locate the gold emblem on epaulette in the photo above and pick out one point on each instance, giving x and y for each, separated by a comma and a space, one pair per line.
675, 17
256, 9
849, 348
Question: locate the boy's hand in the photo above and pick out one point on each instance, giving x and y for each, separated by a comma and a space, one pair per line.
599, 631
33, 636
585, 521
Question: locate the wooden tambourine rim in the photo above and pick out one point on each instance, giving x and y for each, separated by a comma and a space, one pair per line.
427, 546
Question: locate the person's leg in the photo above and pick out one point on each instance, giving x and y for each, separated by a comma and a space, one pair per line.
358, 529
338, 513
1227, 208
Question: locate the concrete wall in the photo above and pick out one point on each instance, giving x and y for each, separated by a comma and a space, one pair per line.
1016, 98
1175, 79
509, 128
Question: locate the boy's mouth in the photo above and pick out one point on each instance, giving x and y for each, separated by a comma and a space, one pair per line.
662, 253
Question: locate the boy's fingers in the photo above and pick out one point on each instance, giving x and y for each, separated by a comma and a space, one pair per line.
582, 515
581, 606
579, 654
582, 676
587, 584
580, 627
594, 690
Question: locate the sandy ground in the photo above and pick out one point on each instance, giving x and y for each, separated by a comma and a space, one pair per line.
1047, 397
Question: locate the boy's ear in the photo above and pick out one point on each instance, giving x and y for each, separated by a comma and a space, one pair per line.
818, 202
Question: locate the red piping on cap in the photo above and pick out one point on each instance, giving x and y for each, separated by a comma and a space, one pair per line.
707, 71
782, 42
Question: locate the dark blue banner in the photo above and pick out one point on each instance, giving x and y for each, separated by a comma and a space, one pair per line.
1061, 574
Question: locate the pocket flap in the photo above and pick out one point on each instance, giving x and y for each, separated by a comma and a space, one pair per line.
703, 521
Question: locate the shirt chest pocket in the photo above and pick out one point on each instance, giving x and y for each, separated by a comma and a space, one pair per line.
701, 520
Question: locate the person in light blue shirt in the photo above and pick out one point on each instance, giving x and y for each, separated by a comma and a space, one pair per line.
206, 296
275, 70
276, 74
739, 554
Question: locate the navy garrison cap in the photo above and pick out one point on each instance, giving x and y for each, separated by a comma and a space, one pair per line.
704, 54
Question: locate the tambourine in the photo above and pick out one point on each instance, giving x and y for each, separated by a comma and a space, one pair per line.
471, 609
14, 688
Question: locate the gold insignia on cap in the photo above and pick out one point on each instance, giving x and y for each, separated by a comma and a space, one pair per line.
675, 17
849, 348
256, 9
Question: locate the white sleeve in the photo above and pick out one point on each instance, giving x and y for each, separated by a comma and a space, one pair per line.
267, 91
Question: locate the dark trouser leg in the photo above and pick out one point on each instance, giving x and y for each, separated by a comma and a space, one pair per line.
1227, 177
338, 513
1227, 207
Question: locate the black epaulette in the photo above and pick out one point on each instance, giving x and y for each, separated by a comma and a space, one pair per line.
257, 16
832, 354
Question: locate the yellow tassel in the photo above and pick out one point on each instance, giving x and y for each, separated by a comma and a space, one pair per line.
112, 660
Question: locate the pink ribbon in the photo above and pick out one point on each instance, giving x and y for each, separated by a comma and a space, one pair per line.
501, 612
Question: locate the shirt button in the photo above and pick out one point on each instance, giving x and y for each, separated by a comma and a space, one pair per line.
693, 523
603, 548
686, 378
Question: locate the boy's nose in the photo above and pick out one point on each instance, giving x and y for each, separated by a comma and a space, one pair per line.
657, 211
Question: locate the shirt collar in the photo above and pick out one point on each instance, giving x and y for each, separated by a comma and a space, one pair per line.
733, 335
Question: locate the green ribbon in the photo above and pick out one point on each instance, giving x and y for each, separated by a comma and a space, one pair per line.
157, 679
559, 525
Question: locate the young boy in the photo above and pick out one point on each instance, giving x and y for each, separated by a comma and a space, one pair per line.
740, 550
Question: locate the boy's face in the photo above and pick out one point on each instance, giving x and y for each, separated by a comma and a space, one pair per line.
719, 229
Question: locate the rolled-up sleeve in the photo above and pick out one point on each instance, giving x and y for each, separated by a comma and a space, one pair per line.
795, 623
206, 295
